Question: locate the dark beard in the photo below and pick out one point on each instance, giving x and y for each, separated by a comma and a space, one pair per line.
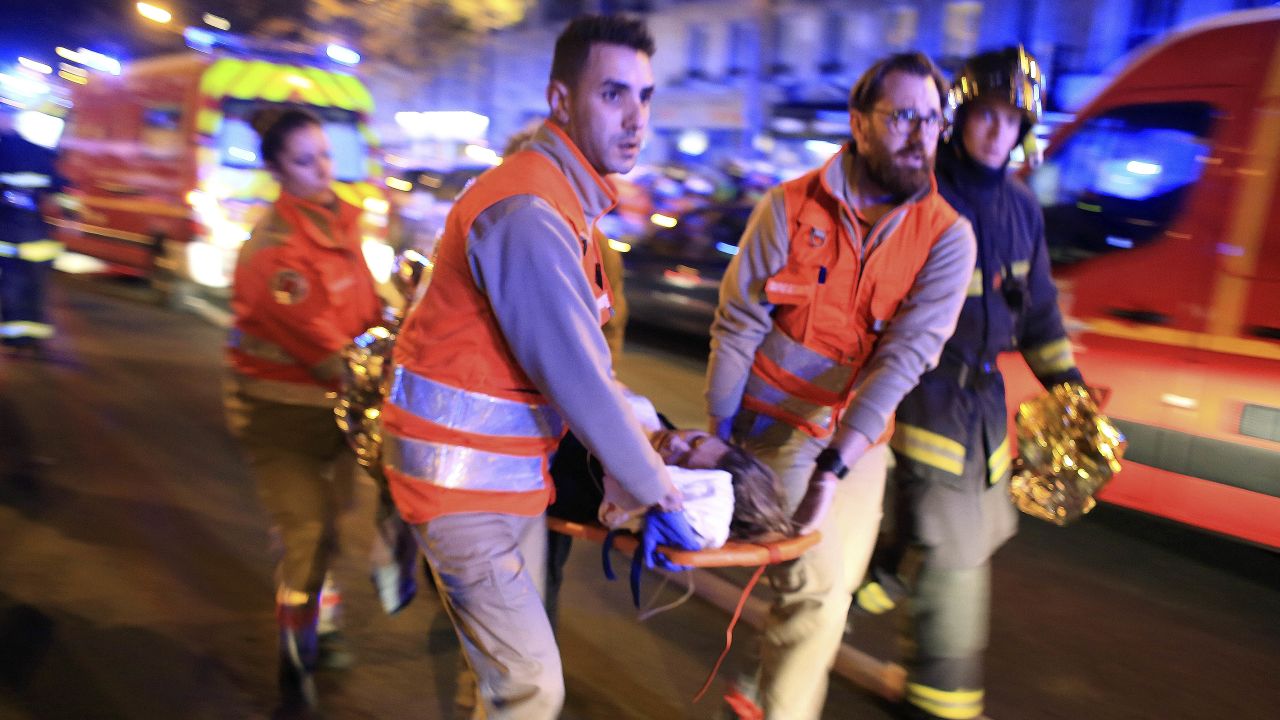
900, 182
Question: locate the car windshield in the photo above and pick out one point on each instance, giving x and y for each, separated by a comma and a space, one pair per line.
238, 144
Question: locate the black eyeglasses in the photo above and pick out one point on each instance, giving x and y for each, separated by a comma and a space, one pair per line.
905, 120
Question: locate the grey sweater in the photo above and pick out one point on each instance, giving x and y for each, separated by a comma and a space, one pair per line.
528, 262
909, 346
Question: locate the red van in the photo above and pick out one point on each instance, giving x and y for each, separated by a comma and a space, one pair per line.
1162, 212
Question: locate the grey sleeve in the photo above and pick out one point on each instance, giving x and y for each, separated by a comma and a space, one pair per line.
529, 264
744, 317
913, 340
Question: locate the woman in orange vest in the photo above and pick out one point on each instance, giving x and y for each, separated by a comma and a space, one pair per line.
302, 291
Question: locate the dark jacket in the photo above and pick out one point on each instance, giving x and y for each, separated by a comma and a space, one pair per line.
1011, 305
27, 177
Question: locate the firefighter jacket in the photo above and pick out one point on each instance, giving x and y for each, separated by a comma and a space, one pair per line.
505, 350
819, 319
302, 291
1011, 303
27, 177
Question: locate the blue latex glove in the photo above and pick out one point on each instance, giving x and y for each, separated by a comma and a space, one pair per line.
670, 529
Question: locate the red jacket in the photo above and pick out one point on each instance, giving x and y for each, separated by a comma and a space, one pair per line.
302, 291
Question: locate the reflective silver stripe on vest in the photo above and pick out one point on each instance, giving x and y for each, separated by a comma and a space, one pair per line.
760, 389
805, 363
472, 412
461, 468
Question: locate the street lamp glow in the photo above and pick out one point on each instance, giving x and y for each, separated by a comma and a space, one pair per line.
154, 13
344, 55
215, 21
34, 65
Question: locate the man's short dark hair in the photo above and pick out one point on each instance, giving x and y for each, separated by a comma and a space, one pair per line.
574, 44
867, 91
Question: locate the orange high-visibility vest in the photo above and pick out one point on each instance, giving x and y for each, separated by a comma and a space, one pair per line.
465, 430
831, 303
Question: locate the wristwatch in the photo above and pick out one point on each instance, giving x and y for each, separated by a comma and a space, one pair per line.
830, 461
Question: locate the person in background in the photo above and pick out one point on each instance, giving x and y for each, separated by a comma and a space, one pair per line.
301, 292
847, 283
27, 177
505, 351
952, 505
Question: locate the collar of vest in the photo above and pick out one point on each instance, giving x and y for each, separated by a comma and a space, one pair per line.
320, 224
596, 194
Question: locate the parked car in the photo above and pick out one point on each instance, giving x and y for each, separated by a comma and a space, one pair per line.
673, 273
422, 198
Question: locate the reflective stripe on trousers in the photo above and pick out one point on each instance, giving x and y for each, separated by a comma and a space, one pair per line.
950, 704
32, 250
26, 329
472, 412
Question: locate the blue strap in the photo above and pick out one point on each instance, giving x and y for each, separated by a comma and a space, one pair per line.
637, 565
606, 546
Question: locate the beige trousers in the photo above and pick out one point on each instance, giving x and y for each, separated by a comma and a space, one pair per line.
806, 622
491, 571
306, 479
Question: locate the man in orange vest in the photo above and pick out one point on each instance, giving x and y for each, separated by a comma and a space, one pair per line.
505, 350
847, 283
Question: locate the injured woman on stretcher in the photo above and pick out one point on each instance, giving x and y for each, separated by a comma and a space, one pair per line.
729, 496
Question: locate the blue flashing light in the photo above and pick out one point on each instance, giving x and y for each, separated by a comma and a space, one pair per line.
344, 55
726, 248
199, 38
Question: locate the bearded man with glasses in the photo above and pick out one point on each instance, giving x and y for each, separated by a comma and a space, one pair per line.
847, 283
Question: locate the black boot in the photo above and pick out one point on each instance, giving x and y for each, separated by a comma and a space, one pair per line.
299, 655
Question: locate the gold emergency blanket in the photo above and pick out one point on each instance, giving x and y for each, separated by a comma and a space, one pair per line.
1067, 451
366, 368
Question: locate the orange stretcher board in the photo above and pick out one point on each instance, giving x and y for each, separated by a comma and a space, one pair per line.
732, 554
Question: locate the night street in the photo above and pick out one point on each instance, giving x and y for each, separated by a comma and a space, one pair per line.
136, 570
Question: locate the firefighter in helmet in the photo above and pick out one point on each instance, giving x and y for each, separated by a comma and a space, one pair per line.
950, 442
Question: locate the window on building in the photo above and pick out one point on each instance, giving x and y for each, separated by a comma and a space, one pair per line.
1151, 18
960, 25
783, 33
1120, 180
902, 23
696, 52
744, 46
833, 40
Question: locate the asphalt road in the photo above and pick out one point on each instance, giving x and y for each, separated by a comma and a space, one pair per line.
136, 570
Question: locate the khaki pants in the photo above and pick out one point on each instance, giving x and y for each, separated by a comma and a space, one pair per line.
491, 569
305, 476
806, 622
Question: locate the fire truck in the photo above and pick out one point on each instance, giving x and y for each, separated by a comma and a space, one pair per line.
1162, 213
164, 179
